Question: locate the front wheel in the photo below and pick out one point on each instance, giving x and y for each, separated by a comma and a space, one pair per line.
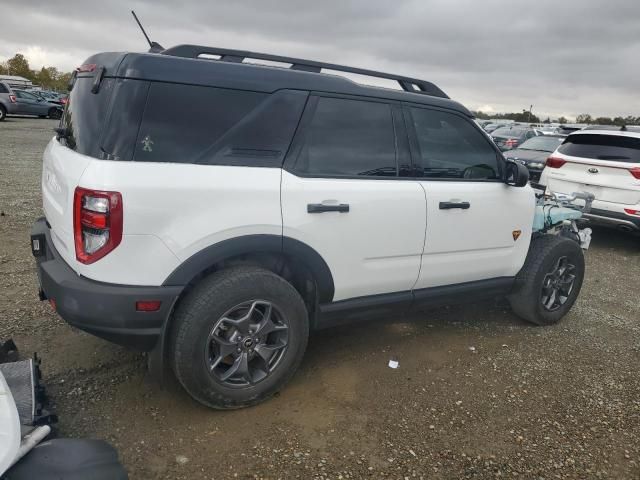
238, 337
548, 284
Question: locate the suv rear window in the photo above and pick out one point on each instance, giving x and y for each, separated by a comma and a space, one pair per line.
3, 88
85, 114
602, 147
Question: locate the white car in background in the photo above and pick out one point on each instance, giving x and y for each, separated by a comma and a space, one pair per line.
604, 161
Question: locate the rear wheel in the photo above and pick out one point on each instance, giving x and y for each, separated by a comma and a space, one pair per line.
238, 337
550, 280
3, 113
55, 113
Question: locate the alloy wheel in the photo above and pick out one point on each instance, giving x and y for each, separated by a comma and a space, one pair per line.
557, 285
247, 343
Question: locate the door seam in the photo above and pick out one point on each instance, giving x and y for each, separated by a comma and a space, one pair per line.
424, 238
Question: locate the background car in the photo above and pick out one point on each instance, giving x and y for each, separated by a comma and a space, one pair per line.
490, 127
550, 129
29, 104
507, 138
48, 96
7, 100
533, 153
605, 163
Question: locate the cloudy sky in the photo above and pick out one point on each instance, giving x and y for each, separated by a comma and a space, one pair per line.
565, 57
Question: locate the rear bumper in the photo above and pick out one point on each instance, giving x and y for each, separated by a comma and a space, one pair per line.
608, 218
102, 309
10, 107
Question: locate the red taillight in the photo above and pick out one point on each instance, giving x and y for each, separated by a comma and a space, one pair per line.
12, 98
635, 171
148, 305
631, 211
555, 162
97, 223
511, 142
95, 220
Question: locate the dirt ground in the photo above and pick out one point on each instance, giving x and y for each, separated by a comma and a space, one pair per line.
478, 394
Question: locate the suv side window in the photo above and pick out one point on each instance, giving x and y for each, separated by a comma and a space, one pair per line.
181, 122
28, 96
3, 89
346, 137
450, 147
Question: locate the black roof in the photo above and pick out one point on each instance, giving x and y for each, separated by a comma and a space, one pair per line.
181, 64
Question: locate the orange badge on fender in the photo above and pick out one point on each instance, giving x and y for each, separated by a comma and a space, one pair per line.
516, 234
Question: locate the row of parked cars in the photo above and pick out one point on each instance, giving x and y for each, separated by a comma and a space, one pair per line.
598, 159
41, 103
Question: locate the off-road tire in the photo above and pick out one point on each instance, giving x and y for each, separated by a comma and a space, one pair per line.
3, 113
544, 253
198, 312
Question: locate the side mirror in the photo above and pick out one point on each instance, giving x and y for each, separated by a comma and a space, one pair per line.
515, 174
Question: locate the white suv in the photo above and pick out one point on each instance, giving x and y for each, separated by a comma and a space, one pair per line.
603, 161
213, 212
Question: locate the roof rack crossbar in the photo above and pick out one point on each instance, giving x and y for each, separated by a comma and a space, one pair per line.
237, 56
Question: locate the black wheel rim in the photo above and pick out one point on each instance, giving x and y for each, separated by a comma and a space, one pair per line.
558, 285
247, 343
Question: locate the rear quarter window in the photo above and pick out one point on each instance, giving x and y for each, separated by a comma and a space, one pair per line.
181, 123
617, 148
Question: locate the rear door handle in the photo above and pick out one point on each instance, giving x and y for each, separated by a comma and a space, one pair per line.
322, 207
450, 205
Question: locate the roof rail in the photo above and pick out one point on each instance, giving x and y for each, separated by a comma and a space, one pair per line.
238, 56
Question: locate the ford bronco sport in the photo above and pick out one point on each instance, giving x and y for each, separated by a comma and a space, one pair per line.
212, 211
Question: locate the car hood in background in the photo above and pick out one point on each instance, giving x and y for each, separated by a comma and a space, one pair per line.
528, 155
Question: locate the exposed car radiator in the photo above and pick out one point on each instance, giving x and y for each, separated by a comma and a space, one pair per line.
23, 379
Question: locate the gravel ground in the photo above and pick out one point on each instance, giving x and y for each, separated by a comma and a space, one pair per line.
478, 394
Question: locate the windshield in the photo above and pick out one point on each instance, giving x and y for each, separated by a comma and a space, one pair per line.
542, 144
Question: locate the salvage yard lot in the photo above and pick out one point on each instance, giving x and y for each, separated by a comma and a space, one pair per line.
478, 393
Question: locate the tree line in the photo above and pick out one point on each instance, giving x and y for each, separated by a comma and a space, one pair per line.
49, 78
527, 117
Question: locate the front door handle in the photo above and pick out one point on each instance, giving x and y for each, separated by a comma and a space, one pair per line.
323, 207
450, 205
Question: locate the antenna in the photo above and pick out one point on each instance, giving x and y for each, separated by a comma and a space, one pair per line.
154, 47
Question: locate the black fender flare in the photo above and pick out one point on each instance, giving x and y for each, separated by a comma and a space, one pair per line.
248, 244
203, 260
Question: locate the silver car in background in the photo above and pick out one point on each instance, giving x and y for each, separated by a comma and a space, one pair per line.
29, 104
8, 101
